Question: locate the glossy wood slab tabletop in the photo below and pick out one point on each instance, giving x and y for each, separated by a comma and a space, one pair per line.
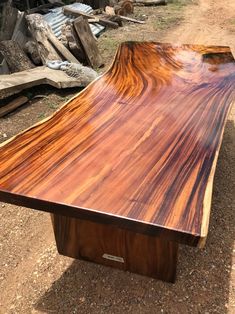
137, 148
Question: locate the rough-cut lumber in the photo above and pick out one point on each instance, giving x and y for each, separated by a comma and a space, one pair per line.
115, 18
150, 2
61, 48
130, 19
136, 150
49, 47
12, 105
14, 83
124, 8
70, 40
15, 57
88, 42
111, 14
102, 21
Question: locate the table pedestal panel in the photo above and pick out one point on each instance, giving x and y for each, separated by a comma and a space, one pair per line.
116, 247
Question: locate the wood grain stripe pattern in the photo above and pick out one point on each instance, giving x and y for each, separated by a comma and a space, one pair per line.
136, 147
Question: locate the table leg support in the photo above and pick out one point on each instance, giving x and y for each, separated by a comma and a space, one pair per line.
116, 247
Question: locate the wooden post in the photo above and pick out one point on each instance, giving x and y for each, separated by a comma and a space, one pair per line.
88, 42
115, 247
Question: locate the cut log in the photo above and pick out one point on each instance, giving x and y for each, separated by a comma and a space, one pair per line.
39, 29
150, 2
88, 42
15, 57
109, 10
49, 47
69, 11
19, 101
124, 8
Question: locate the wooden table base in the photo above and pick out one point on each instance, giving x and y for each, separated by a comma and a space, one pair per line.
115, 247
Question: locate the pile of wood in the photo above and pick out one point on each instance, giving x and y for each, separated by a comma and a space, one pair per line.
29, 37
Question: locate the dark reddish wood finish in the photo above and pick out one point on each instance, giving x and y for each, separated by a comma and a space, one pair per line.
136, 149
145, 255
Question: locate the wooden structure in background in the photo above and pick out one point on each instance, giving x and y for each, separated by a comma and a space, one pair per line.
126, 167
87, 42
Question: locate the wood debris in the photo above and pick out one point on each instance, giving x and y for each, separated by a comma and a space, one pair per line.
100, 20
149, 2
49, 47
28, 36
12, 105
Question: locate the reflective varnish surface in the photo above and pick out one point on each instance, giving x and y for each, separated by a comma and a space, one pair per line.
137, 148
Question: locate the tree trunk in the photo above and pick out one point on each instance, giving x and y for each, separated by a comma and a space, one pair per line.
8, 17
15, 57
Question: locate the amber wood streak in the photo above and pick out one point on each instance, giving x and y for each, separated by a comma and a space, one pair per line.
137, 148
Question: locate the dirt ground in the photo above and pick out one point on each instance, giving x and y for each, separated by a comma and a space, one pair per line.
35, 279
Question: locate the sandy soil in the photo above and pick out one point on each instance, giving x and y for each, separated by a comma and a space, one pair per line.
35, 279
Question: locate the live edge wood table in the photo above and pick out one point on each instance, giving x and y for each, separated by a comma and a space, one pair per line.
126, 167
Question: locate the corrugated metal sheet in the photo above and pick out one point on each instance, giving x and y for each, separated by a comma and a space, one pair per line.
55, 18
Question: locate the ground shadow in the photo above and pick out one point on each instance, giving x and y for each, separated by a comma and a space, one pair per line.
202, 284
